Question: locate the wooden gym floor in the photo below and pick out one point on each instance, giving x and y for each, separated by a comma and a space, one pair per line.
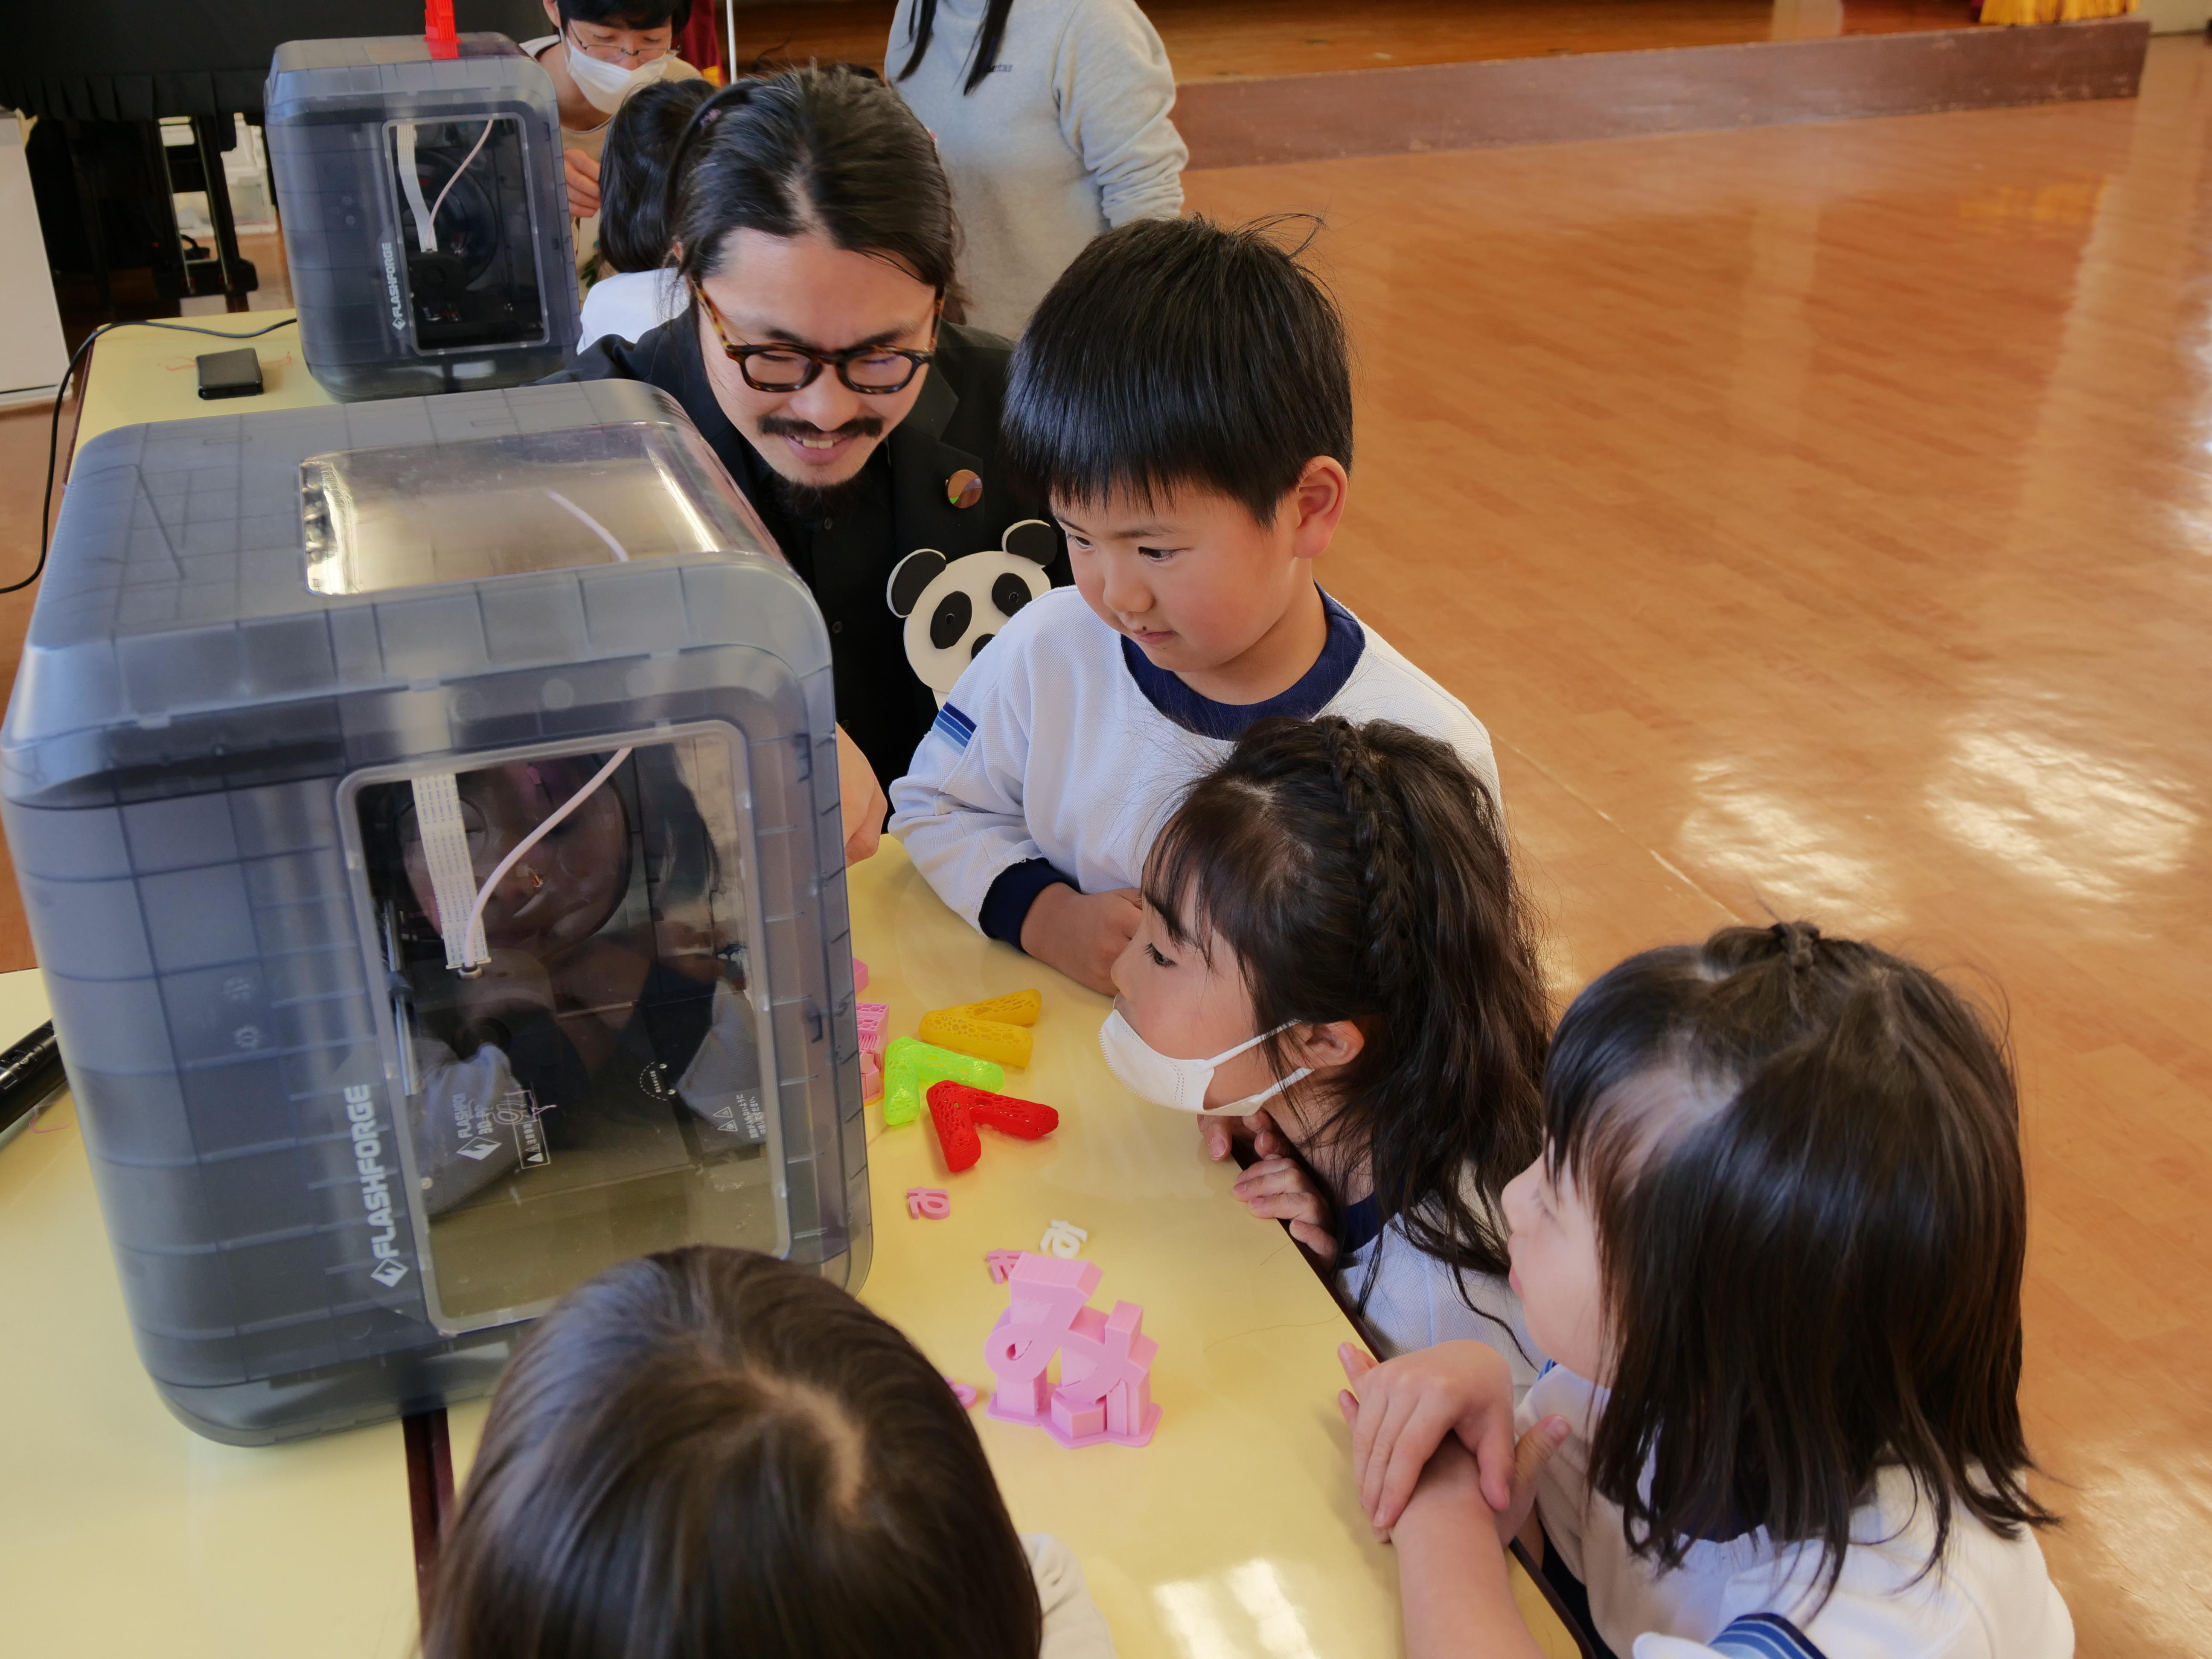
1229, 40
1821, 517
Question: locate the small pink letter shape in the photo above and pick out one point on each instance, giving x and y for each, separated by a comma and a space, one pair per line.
929, 1202
1105, 1387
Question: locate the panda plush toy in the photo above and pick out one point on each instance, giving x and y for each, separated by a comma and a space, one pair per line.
953, 607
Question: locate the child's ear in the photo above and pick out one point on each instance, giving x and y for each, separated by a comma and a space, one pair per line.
553, 15
1317, 505
1324, 1048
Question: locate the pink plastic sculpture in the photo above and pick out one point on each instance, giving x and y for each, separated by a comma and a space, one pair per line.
875, 1022
1000, 1263
929, 1203
1105, 1387
859, 975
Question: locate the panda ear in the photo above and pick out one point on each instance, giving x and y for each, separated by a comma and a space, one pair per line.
1032, 540
910, 576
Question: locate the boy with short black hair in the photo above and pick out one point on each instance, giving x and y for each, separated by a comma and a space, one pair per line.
1183, 397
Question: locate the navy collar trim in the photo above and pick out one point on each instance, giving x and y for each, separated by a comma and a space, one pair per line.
1357, 1225
1226, 721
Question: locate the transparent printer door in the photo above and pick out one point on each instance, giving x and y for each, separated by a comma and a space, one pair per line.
461, 196
587, 1063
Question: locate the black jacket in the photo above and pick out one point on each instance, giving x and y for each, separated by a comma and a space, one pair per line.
902, 504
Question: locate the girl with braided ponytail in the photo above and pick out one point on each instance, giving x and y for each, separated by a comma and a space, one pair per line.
1331, 913
1775, 1245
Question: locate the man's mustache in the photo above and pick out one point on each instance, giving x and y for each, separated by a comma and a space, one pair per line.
782, 426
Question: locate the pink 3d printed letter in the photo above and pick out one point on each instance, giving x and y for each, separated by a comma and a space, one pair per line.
929, 1203
1106, 1362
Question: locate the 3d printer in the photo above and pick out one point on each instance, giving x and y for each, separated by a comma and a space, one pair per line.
425, 220
427, 814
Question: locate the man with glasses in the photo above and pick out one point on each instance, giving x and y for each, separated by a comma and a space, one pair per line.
815, 234
604, 50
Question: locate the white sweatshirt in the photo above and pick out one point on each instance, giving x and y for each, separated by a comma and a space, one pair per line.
1073, 1626
1416, 1304
1067, 134
1992, 1597
630, 305
1063, 750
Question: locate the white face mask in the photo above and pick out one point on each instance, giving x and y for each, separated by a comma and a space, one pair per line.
607, 84
1180, 1084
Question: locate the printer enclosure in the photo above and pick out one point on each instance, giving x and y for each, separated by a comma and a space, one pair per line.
340, 1174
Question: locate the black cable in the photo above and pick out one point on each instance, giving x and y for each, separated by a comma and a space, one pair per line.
61, 397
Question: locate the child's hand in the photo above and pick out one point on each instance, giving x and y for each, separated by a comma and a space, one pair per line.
1218, 1135
1453, 1473
581, 172
1404, 1409
1279, 1188
1082, 934
860, 799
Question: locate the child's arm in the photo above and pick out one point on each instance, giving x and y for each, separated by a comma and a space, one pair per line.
960, 809
1452, 1578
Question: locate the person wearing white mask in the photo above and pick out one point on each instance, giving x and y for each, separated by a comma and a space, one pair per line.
604, 50
1331, 948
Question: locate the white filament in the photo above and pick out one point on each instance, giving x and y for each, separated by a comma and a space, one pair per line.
472, 934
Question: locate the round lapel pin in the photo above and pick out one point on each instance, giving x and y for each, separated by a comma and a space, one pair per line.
963, 488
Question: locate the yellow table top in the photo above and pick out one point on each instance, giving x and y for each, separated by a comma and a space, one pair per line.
1235, 1533
137, 375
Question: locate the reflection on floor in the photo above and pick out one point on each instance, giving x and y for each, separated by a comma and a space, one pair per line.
1213, 40
1819, 517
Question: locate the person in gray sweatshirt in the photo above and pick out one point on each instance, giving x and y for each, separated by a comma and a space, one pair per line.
1051, 119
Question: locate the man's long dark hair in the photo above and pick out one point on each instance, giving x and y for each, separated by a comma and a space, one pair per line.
1812, 1253
711, 1451
828, 149
1359, 872
988, 38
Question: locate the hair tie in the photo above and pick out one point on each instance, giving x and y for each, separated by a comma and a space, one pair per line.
1799, 938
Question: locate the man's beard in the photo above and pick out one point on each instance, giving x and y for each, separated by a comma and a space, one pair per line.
809, 501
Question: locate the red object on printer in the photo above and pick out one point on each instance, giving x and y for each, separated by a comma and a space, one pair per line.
438, 31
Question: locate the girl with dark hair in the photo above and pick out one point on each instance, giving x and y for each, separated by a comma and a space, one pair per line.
1331, 915
712, 1451
1775, 1245
1052, 117
640, 290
